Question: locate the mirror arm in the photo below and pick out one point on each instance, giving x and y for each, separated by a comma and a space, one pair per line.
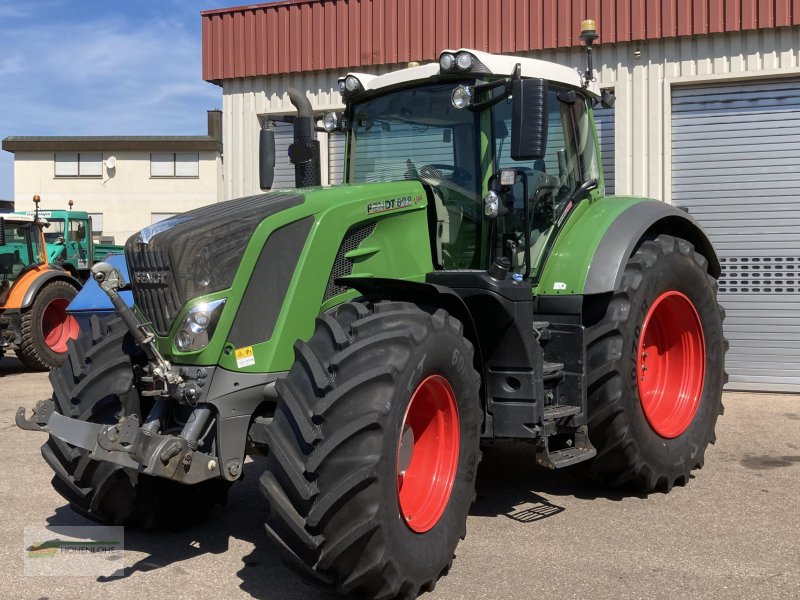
506, 82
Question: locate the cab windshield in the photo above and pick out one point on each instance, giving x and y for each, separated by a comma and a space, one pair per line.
22, 249
417, 134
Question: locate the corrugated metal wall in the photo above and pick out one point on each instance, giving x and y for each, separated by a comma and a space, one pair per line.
640, 82
311, 35
735, 151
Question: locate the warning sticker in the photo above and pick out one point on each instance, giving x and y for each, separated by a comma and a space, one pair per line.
244, 357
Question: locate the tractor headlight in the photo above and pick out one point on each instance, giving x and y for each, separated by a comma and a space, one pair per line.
491, 204
462, 97
198, 326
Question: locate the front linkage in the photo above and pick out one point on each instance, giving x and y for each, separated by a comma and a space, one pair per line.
129, 442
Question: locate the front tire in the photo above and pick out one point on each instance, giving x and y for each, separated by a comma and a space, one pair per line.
92, 385
364, 495
656, 369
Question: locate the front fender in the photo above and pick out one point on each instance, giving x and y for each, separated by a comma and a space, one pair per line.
590, 253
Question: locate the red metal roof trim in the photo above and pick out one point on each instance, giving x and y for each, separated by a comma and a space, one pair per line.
309, 35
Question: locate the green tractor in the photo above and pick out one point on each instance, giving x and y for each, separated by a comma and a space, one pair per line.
470, 281
69, 243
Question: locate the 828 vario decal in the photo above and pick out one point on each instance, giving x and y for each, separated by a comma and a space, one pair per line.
393, 204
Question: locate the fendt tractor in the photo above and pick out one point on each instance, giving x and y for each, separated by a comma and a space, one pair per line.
34, 294
470, 281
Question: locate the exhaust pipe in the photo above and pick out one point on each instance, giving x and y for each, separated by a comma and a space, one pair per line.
304, 152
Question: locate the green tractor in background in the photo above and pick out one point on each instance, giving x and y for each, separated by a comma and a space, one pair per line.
69, 242
469, 282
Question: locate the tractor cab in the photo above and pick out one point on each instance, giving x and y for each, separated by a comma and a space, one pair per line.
21, 248
505, 147
68, 238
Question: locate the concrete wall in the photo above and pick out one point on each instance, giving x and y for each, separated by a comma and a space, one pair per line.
126, 196
642, 74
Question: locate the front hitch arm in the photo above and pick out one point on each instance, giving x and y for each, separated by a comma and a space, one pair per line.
110, 281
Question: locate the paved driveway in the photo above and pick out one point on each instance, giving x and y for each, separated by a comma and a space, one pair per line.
732, 532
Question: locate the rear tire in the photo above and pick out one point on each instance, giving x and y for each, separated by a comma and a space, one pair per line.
652, 420
46, 327
340, 464
104, 361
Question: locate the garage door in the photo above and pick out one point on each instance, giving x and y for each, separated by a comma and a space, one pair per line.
336, 158
284, 170
735, 151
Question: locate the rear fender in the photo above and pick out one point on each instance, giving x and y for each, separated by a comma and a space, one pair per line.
639, 222
591, 251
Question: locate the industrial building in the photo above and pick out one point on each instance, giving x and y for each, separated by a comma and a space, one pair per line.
707, 116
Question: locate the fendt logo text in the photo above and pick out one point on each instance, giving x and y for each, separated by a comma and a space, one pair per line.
148, 277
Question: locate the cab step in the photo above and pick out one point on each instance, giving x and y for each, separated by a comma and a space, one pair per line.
552, 370
581, 450
551, 413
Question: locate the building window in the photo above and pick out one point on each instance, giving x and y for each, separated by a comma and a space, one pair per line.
79, 164
158, 216
174, 164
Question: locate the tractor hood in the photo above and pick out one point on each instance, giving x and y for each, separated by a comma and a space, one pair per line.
195, 253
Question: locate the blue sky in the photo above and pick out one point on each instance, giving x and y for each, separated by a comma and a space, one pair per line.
90, 67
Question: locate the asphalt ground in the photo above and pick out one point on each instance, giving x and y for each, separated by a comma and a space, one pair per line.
732, 532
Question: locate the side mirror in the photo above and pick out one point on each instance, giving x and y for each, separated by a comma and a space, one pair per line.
2, 231
266, 159
528, 119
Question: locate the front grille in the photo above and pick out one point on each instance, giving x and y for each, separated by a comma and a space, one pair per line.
153, 284
194, 254
341, 265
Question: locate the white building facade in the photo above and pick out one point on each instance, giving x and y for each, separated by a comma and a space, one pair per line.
125, 183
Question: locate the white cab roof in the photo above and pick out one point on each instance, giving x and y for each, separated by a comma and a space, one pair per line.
498, 64
20, 218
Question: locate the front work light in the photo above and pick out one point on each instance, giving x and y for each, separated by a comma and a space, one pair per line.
330, 121
198, 326
465, 60
447, 61
462, 97
352, 84
491, 206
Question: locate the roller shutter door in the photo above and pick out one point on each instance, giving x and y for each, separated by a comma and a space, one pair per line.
336, 158
284, 170
604, 121
735, 150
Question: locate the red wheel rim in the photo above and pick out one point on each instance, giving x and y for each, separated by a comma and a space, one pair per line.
427, 454
671, 365
57, 326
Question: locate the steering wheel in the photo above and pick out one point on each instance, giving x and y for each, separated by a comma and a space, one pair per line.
458, 175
